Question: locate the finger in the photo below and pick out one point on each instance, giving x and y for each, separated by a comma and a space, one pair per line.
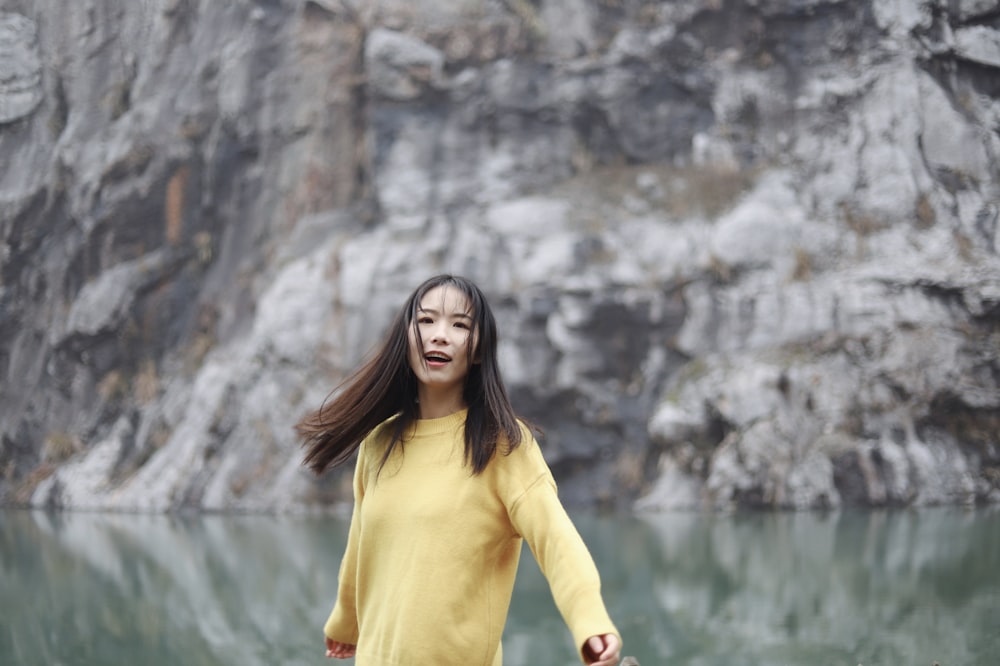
611, 646
344, 651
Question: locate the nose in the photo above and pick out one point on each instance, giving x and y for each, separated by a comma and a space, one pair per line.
439, 333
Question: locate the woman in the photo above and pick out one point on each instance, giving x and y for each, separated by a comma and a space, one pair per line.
447, 484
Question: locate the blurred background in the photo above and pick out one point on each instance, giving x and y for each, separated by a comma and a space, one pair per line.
743, 254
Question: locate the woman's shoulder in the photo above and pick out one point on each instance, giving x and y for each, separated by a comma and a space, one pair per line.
526, 428
379, 436
386, 427
520, 468
527, 451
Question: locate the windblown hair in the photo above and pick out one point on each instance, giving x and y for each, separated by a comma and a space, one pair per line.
386, 386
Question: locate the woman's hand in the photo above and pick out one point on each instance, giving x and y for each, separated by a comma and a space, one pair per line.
338, 650
602, 650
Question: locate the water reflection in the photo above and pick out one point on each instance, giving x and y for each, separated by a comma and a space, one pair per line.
121, 589
796, 589
792, 588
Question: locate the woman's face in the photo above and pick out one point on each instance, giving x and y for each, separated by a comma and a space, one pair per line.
440, 356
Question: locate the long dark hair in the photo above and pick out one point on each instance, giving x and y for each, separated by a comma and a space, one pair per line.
385, 386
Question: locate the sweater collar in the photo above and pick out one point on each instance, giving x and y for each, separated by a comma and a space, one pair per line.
431, 427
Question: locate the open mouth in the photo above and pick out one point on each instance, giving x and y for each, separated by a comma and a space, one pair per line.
437, 358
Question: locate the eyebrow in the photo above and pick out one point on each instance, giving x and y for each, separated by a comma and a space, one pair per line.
464, 315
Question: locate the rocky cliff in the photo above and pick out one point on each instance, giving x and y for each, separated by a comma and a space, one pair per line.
742, 253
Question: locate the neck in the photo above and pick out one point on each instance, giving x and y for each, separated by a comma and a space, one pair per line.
437, 404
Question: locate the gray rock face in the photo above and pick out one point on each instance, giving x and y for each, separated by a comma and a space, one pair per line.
20, 67
741, 253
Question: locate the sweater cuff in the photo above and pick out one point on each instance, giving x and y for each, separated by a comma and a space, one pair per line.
597, 623
341, 628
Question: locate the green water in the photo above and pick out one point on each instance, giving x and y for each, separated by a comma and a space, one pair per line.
890, 588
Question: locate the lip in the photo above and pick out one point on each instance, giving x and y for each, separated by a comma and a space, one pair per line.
436, 359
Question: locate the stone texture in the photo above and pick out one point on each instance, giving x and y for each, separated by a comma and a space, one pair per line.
20, 67
742, 254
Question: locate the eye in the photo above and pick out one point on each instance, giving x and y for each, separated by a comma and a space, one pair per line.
425, 320
461, 324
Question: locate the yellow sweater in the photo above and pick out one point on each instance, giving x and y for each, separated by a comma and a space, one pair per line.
432, 552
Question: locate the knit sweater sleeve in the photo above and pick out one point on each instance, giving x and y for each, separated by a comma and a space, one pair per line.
342, 625
538, 516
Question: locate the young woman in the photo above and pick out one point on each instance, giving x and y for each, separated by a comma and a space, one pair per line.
447, 484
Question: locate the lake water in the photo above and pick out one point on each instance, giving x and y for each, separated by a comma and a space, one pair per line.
797, 589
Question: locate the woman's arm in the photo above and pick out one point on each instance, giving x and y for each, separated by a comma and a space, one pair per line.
342, 625
538, 516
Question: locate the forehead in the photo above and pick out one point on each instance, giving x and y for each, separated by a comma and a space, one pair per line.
446, 299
